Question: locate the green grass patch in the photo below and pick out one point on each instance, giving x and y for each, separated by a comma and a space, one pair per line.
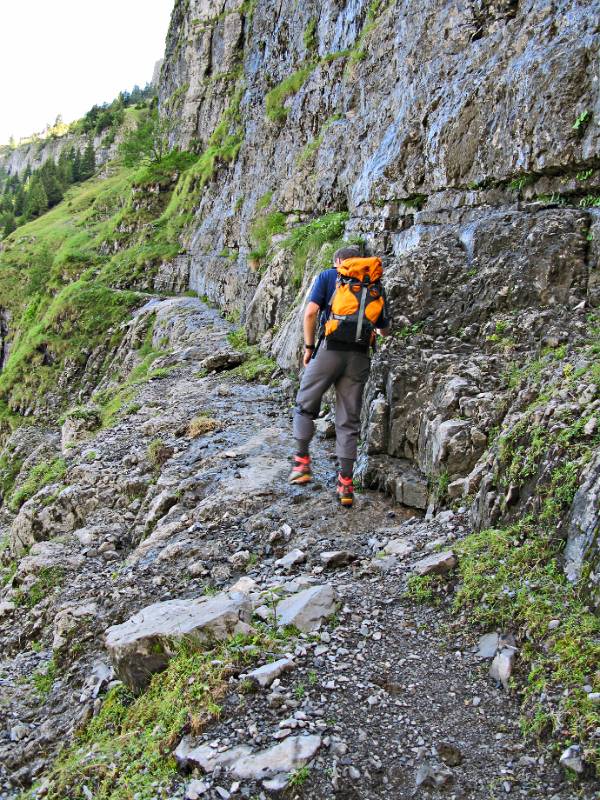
257, 366
125, 751
262, 231
312, 147
318, 239
511, 579
43, 680
275, 109
48, 579
42, 474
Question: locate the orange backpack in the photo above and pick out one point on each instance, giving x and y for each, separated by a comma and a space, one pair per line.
357, 302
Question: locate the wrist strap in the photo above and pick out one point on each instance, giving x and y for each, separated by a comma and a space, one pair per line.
309, 347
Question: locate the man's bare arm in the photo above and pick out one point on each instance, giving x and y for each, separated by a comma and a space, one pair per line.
310, 325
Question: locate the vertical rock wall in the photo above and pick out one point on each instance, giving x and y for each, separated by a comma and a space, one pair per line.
462, 141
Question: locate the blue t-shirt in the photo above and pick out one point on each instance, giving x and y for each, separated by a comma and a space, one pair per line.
322, 292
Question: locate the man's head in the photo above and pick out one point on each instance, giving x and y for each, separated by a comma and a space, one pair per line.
351, 251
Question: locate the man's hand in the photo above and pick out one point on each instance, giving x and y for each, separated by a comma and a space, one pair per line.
307, 357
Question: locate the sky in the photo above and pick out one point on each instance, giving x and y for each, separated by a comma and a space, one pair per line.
64, 56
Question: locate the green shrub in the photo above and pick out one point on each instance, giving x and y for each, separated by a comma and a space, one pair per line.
262, 231
48, 578
307, 240
275, 99
42, 474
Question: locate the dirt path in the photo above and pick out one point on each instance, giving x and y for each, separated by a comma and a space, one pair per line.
394, 689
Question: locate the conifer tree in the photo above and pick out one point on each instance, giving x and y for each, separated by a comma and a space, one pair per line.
65, 168
49, 176
37, 200
76, 169
19, 202
10, 224
88, 162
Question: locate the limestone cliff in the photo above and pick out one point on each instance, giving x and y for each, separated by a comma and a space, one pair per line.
462, 142
158, 572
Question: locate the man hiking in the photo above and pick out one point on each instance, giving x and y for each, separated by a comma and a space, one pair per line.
351, 304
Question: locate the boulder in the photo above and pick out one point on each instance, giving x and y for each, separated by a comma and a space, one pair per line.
436, 564
307, 609
583, 536
146, 642
245, 764
265, 675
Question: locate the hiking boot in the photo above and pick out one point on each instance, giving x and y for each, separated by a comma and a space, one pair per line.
301, 471
345, 490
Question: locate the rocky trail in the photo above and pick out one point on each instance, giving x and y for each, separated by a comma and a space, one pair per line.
184, 503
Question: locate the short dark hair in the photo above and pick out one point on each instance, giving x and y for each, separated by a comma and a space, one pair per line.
351, 251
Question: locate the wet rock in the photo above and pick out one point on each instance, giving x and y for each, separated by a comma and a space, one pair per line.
583, 537
222, 361
449, 753
307, 609
487, 645
71, 619
196, 789
398, 548
145, 643
436, 564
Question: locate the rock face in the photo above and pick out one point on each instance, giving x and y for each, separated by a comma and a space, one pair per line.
145, 643
452, 172
583, 539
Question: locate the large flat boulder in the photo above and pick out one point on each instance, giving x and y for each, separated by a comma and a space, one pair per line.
247, 765
307, 609
145, 643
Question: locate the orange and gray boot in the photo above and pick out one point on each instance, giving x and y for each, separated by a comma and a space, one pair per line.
345, 490
301, 470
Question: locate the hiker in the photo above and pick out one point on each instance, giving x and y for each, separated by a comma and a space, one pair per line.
350, 304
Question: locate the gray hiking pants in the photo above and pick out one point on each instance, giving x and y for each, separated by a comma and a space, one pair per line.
348, 371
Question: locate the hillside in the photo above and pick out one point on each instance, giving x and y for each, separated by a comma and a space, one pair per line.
150, 337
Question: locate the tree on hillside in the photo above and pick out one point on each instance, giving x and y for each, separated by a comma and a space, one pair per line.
48, 173
65, 167
10, 224
76, 165
19, 202
148, 142
88, 162
37, 199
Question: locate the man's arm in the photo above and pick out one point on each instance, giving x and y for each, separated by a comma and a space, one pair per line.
310, 324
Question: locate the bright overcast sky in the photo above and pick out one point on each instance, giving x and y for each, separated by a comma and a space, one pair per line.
62, 56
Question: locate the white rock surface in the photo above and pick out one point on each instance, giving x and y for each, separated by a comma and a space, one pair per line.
145, 643
265, 675
436, 564
245, 764
307, 609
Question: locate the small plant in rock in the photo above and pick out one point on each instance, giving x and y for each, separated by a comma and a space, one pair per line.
159, 453
299, 777
312, 677
248, 686
299, 691
201, 425
48, 579
582, 121
423, 589
43, 680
